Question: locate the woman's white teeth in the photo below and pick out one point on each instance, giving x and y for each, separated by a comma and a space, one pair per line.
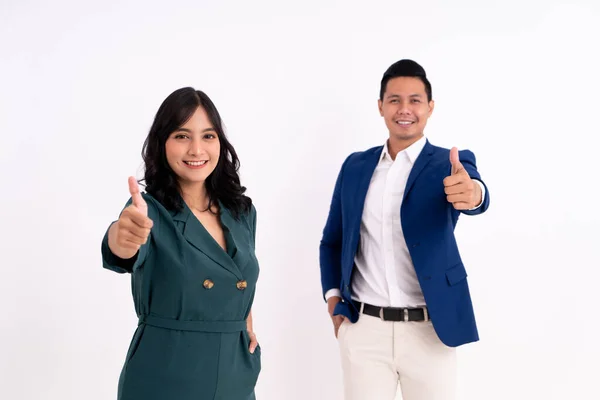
195, 163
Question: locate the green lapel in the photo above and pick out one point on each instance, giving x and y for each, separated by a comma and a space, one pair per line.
195, 233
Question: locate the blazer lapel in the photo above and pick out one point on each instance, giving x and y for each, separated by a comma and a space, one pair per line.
238, 239
195, 233
420, 163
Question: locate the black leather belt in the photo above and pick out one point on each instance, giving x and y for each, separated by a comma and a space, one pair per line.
394, 313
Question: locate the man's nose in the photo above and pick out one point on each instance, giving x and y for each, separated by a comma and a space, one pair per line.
404, 108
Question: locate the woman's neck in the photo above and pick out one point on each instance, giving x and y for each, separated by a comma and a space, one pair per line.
196, 197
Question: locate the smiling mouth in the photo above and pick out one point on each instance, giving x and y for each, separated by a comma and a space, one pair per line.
195, 163
405, 123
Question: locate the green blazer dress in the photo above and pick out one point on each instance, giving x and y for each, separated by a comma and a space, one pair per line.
192, 299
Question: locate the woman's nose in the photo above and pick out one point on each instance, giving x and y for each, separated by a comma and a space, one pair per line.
195, 148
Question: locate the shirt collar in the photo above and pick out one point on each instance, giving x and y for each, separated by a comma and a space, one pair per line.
412, 151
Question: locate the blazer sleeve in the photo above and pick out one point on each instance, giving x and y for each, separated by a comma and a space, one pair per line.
330, 249
467, 159
112, 262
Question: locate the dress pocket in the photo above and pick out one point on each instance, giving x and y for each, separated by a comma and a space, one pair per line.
257, 351
135, 344
239, 368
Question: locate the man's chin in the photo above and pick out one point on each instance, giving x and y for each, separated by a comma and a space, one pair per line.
406, 136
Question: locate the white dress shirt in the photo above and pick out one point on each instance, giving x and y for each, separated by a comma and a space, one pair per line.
384, 273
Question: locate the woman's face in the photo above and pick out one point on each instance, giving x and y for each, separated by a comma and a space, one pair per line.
193, 150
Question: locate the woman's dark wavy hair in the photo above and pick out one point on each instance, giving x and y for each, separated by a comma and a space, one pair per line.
223, 184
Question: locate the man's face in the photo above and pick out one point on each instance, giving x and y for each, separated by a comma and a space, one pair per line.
405, 108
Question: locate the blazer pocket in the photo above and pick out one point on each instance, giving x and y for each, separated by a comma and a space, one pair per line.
456, 274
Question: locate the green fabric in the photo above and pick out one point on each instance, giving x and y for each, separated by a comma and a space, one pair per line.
191, 343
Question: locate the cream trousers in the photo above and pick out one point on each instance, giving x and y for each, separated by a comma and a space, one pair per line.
376, 355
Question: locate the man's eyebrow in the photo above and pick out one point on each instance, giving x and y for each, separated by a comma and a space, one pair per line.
397, 95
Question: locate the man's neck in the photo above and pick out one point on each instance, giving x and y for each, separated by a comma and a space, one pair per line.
396, 145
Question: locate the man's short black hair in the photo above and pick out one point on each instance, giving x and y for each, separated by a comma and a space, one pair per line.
405, 68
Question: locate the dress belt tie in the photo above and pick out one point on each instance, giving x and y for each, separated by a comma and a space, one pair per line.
195, 326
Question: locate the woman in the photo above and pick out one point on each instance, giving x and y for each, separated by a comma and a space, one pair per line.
189, 245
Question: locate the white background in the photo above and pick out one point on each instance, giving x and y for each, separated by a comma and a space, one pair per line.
297, 84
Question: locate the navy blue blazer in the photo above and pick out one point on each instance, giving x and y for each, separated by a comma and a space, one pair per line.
428, 222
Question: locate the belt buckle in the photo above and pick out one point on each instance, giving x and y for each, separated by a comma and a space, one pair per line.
425, 314
381, 313
405, 314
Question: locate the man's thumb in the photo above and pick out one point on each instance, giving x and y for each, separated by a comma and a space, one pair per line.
456, 165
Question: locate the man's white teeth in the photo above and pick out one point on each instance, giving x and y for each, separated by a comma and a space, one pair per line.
195, 163
404, 122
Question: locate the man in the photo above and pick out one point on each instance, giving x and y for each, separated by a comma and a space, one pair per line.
391, 272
